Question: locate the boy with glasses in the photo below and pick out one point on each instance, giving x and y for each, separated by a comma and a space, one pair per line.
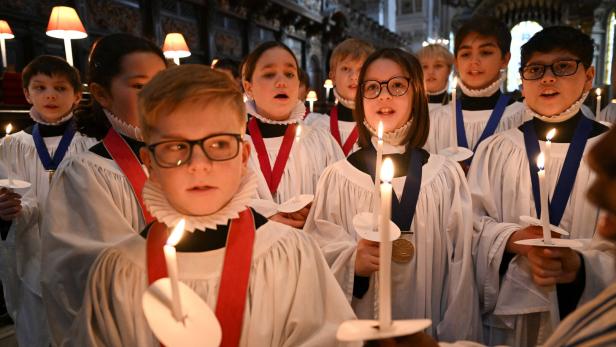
284, 293
524, 290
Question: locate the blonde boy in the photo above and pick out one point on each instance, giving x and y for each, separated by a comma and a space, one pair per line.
193, 121
436, 62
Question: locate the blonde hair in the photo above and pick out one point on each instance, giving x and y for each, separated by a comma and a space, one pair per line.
177, 85
435, 51
354, 49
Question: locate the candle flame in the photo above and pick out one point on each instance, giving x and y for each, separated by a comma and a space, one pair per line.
214, 62
176, 234
380, 131
312, 96
387, 170
541, 161
9, 128
550, 134
598, 91
328, 84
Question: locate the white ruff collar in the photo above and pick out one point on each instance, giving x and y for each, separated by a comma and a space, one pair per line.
297, 113
346, 102
563, 116
36, 116
485, 92
440, 91
158, 205
122, 127
395, 137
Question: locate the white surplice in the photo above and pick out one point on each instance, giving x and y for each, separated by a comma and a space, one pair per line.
474, 124
438, 283
315, 150
516, 311
90, 207
608, 114
292, 298
321, 120
21, 252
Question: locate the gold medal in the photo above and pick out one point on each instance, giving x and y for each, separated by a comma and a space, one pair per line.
402, 251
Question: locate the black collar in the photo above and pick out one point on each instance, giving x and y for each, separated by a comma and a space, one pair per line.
360, 159
134, 145
442, 98
50, 130
269, 130
345, 114
565, 129
470, 103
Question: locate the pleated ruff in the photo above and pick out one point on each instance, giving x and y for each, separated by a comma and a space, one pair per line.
316, 150
91, 206
500, 185
292, 297
438, 283
474, 124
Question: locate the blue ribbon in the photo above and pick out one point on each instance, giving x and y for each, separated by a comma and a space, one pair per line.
493, 121
564, 186
403, 210
43, 153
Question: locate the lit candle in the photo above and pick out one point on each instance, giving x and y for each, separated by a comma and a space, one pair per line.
377, 174
172, 269
545, 210
548, 146
328, 85
8, 130
453, 134
311, 98
387, 175
214, 62
598, 107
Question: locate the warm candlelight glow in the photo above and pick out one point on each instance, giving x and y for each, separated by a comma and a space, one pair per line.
550, 134
380, 131
312, 96
387, 171
9, 128
176, 234
214, 62
328, 84
541, 161
598, 91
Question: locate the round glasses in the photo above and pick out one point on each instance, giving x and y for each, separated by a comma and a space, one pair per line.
560, 68
396, 86
217, 147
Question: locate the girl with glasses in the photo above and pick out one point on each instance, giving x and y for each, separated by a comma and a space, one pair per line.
514, 280
288, 160
432, 273
481, 55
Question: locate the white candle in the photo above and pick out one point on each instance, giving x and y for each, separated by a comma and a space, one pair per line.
598, 109
545, 210
385, 247
328, 85
9, 174
548, 146
298, 136
172, 269
453, 134
377, 174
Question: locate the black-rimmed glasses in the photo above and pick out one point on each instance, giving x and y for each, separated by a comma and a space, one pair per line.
560, 68
396, 86
217, 147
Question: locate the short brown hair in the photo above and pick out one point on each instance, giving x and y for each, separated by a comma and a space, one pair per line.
354, 49
420, 127
250, 63
435, 51
50, 65
176, 85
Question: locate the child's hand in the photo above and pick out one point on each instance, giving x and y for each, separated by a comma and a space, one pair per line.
286, 218
367, 258
530, 232
10, 204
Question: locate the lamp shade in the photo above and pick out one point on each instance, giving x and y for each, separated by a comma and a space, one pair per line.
175, 46
312, 96
5, 30
64, 23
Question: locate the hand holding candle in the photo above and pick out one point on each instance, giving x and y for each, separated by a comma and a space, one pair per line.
377, 174
172, 268
545, 209
387, 175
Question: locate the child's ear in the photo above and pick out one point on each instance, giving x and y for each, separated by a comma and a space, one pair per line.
505, 60
590, 76
78, 96
27, 95
100, 95
245, 156
247, 88
146, 158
